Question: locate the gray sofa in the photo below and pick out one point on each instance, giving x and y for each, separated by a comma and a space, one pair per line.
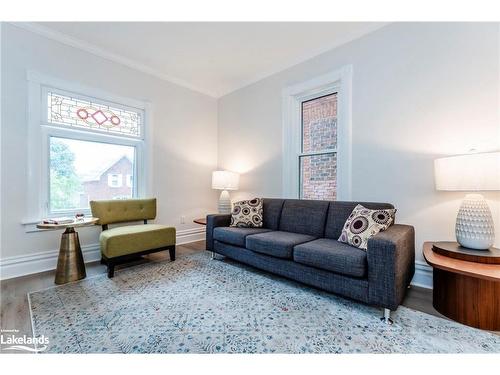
298, 240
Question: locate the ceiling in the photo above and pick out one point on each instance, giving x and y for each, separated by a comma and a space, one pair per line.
213, 58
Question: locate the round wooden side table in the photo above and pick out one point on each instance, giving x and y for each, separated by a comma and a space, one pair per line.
467, 291
201, 221
70, 265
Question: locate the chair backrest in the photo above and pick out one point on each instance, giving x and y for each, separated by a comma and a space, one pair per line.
123, 210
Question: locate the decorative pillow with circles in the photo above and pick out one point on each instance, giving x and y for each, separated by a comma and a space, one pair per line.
247, 214
364, 223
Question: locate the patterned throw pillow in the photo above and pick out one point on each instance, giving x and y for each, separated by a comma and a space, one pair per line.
247, 214
364, 223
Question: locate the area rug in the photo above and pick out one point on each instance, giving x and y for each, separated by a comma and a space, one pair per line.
199, 305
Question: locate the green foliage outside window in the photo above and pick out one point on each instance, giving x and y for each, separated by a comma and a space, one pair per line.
65, 184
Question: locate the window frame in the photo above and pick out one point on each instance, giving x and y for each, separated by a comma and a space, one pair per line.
302, 154
340, 82
40, 131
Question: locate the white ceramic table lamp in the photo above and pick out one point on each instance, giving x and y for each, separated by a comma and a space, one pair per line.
225, 180
475, 172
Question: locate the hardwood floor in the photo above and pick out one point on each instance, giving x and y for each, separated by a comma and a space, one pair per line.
14, 303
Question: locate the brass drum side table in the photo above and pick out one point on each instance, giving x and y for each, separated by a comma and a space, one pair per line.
70, 265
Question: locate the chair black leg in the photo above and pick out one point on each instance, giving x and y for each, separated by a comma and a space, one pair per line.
111, 270
103, 261
172, 253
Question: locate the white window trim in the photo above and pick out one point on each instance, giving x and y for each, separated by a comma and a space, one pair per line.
38, 142
339, 81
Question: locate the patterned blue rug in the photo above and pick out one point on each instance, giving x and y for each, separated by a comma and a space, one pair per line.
198, 305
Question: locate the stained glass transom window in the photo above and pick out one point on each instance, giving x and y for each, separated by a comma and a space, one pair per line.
78, 113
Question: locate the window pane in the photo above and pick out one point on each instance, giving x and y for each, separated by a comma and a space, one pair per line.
78, 113
319, 124
81, 171
318, 176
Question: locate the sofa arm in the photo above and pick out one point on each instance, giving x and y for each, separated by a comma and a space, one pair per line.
391, 265
214, 221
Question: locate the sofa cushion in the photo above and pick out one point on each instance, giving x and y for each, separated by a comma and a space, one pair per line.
235, 236
131, 239
276, 243
331, 255
363, 223
247, 214
339, 211
272, 213
304, 216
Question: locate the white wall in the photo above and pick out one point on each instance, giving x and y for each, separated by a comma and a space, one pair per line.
184, 145
420, 91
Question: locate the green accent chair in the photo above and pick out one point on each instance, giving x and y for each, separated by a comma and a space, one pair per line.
125, 243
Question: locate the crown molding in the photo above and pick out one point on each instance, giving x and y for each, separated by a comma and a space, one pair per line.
298, 60
97, 51
216, 94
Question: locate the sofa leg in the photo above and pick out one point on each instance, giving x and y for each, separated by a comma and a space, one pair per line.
213, 255
387, 317
111, 270
172, 253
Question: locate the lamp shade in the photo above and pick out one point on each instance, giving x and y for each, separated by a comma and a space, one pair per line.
225, 180
474, 172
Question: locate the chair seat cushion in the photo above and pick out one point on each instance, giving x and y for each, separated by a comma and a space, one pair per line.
332, 255
276, 243
132, 239
235, 235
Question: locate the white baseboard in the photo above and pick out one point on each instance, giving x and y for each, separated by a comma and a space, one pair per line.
190, 235
423, 275
22, 265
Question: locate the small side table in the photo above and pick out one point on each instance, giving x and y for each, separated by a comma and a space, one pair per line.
201, 221
70, 265
467, 291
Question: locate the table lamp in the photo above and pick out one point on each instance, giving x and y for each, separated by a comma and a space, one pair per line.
225, 180
472, 173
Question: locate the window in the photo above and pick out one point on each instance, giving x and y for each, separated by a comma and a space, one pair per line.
317, 137
114, 180
84, 145
74, 112
130, 180
318, 161
80, 172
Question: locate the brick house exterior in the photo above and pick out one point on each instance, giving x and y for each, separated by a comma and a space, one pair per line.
99, 186
319, 132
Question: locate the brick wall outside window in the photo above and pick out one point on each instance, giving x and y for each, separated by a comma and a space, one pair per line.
319, 133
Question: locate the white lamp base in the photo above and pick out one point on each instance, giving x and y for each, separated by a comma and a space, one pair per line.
224, 202
474, 228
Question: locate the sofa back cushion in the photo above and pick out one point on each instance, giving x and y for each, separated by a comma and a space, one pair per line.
339, 211
304, 216
272, 213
